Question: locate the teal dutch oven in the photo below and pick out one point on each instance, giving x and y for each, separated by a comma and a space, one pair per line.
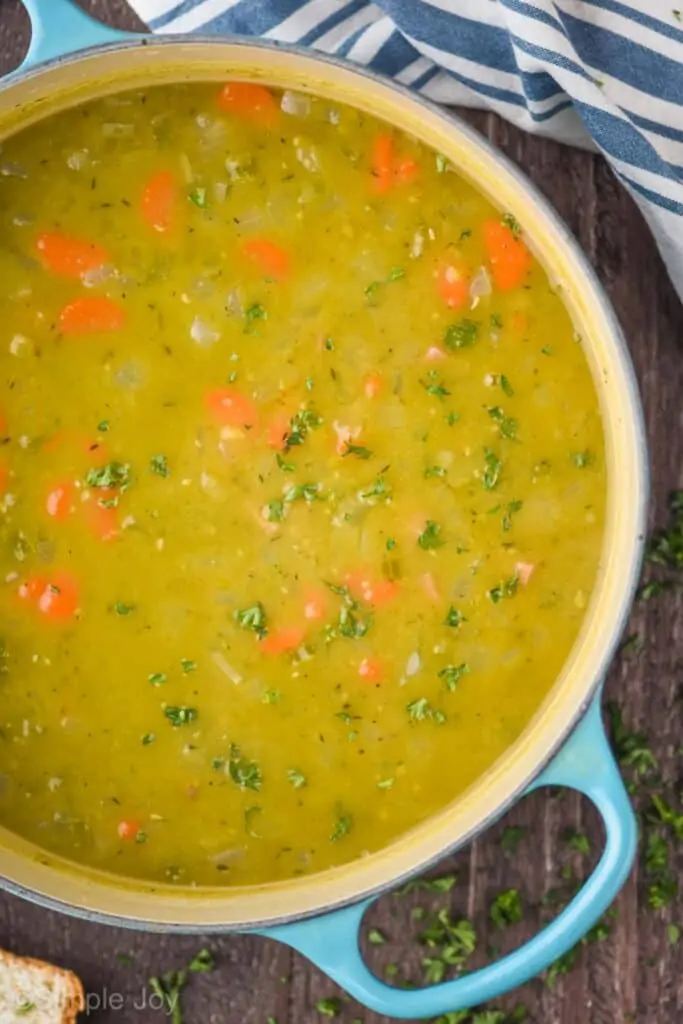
73, 58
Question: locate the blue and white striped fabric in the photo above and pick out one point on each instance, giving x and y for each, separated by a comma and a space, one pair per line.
592, 73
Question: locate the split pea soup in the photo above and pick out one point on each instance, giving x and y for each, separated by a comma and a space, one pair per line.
302, 484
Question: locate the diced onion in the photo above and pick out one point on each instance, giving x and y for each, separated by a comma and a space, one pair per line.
203, 333
225, 667
480, 284
78, 160
295, 103
414, 664
8, 169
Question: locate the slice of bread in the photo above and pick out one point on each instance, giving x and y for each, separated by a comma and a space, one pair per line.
33, 992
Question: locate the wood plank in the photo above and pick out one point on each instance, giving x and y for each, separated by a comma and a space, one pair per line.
632, 976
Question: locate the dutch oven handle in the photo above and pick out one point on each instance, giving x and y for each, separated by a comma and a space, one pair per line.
586, 764
60, 27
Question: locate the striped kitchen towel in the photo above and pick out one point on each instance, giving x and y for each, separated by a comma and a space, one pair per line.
592, 73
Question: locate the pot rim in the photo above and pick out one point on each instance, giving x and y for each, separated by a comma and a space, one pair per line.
47, 880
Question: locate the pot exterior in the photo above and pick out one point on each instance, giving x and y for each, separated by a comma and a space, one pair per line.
63, 82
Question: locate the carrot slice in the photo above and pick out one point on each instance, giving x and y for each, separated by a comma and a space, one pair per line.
60, 499
406, 170
270, 258
91, 314
159, 202
128, 829
509, 257
383, 163
103, 522
56, 598
453, 286
375, 592
249, 100
68, 256
283, 640
372, 384
371, 670
231, 407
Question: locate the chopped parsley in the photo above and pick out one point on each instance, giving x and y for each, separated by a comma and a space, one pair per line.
430, 537
275, 510
253, 618
123, 609
244, 773
512, 223
421, 710
330, 1007
452, 418
507, 426
148, 738
437, 471
441, 163
506, 385
188, 665
342, 827
492, 470
434, 386
299, 427
380, 489
581, 459
113, 474
179, 714
252, 314
157, 678
496, 321
354, 621
305, 492
159, 465
454, 618
391, 544
286, 467
296, 778
452, 674
513, 506
462, 334
329, 345
508, 588
506, 909
103, 426
198, 197
395, 274
356, 449
512, 837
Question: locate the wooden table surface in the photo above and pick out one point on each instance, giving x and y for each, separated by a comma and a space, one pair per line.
635, 973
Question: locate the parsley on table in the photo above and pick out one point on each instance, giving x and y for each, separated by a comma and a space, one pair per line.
631, 748
462, 334
329, 1007
179, 714
578, 841
113, 474
253, 618
452, 674
159, 465
244, 773
506, 908
376, 937
170, 985
665, 547
430, 537
512, 837
492, 470
441, 884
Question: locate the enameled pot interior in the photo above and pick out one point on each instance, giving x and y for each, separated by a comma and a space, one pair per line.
63, 83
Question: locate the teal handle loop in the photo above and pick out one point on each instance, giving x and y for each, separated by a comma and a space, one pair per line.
59, 27
586, 764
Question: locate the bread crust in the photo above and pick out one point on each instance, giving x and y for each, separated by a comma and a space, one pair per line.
75, 999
